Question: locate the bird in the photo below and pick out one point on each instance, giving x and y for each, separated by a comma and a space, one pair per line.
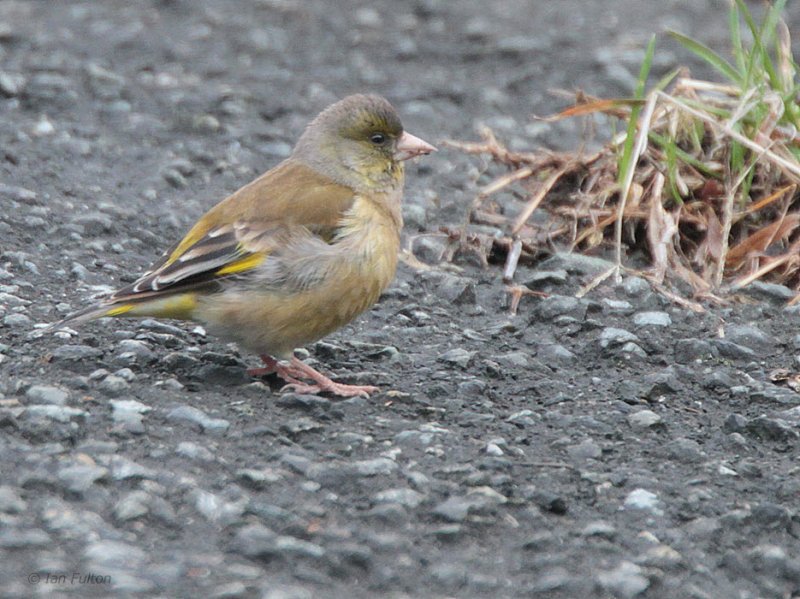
293, 255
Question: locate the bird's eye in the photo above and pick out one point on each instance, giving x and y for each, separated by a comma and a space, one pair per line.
377, 138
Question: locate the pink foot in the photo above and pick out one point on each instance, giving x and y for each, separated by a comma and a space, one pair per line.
339, 389
297, 369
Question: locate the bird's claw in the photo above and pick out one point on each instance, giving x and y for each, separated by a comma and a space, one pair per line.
336, 388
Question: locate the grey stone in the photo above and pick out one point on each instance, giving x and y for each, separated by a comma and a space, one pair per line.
456, 290
662, 383
94, 224
625, 581
430, 248
553, 353
750, 337
217, 509
552, 579
734, 351
791, 415
414, 438
642, 499
415, 217
770, 516
633, 349
192, 415
224, 375
58, 413
719, 381
303, 402
123, 468
114, 385
684, 450
577, 264
458, 357
374, 467
472, 388
174, 177
75, 353
11, 84
600, 528
194, 451
10, 501
47, 394
652, 319
523, 418
13, 538
644, 419
614, 337
296, 426
132, 506
493, 449
17, 320
79, 478
130, 414
549, 501
615, 306
772, 393
778, 294
585, 450
771, 429
406, 497
774, 561
259, 479
106, 553
515, 360
560, 305
454, 509
230, 590
258, 541
539, 279
735, 423
180, 361
635, 287
661, 556
143, 353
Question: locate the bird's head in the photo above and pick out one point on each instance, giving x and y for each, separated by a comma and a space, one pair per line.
359, 141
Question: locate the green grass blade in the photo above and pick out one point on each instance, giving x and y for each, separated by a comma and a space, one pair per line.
747, 184
672, 169
687, 158
667, 79
736, 39
626, 160
753, 54
711, 57
736, 157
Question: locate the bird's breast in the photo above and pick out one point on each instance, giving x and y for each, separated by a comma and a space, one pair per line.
322, 290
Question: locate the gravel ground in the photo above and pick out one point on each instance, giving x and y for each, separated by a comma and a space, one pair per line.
612, 446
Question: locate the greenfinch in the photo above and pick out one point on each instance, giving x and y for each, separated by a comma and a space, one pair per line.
295, 254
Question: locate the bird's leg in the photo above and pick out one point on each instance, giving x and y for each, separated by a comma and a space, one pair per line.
298, 369
271, 365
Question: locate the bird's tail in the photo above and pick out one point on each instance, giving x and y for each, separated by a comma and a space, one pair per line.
178, 306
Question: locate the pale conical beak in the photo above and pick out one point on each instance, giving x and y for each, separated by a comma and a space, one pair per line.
409, 146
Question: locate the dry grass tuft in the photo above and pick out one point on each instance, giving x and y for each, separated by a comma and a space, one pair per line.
704, 181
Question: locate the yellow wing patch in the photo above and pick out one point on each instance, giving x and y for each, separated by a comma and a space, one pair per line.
119, 310
173, 306
242, 265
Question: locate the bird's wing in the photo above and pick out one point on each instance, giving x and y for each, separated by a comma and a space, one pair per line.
234, 237
223, 251
241, 231
291, 194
